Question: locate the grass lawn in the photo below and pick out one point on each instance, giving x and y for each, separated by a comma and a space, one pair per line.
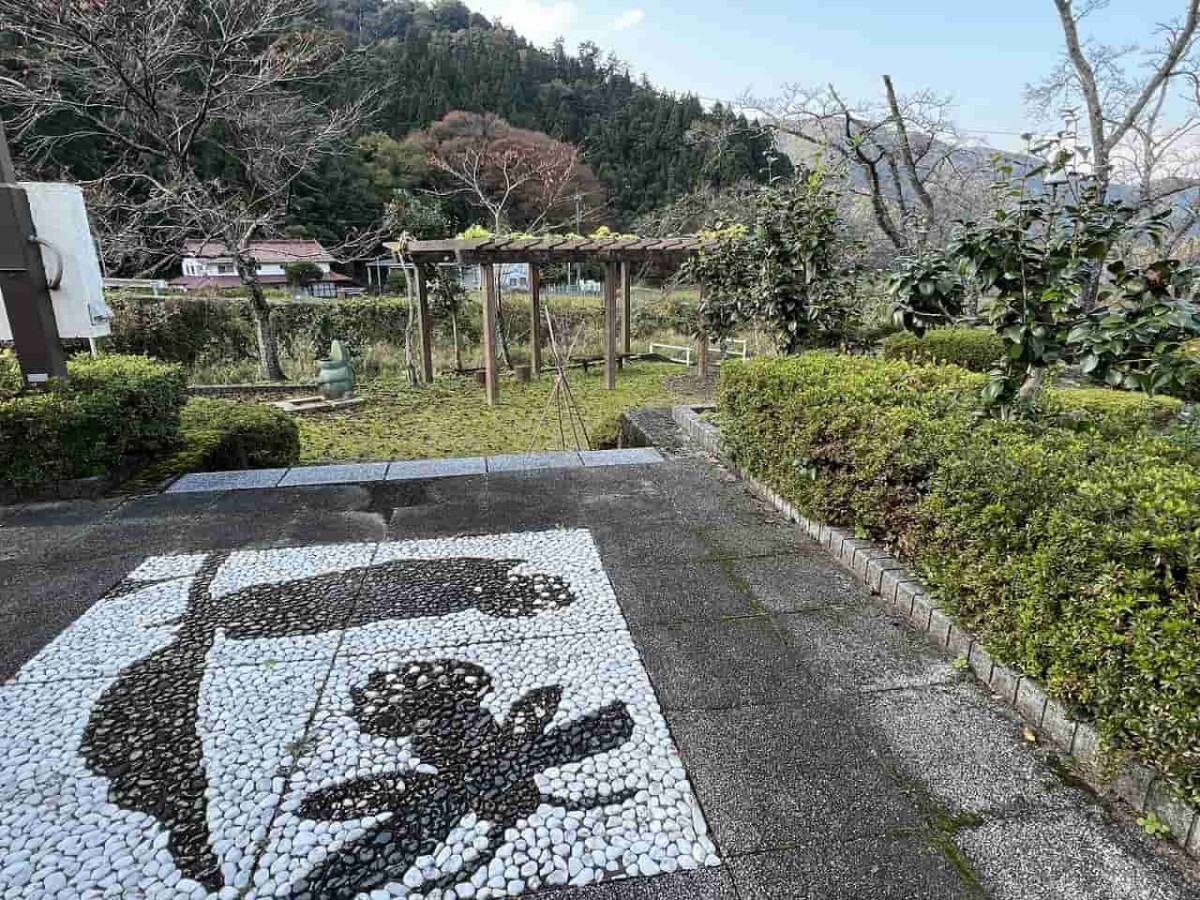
451, 417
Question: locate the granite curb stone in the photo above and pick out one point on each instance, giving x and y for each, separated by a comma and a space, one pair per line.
1135, 784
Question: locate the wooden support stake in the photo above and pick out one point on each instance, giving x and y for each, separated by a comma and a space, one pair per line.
702, 346
424, 325
535, 319
626, 318
491, 375
610, 326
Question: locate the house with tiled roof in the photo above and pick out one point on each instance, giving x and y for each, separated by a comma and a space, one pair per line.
208, 264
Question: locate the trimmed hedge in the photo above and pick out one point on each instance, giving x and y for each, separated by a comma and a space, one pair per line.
190, 330
225, 434
109, 409
1073, 552
971, 348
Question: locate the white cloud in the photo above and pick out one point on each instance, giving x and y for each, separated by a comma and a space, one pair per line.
539, 22
629, 19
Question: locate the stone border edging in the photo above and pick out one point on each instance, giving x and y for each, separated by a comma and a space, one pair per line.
905, 594
270, 387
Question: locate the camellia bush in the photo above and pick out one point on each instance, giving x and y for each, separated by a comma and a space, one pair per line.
1053, 291
792, 267
1069, 544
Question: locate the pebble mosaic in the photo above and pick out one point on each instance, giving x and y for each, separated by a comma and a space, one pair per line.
452, 718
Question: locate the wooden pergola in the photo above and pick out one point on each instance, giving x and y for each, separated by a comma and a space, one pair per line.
616, 256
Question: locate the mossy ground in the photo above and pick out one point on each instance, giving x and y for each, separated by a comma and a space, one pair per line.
451, 417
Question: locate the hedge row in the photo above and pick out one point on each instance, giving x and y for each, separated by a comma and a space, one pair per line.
1070, 546
193, 330
971, 348
110, 408
209, 330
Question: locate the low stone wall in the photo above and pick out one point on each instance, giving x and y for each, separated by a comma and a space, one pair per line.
235, 390
905, 595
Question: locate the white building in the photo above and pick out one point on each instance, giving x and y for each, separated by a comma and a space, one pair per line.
513, 277
208, 264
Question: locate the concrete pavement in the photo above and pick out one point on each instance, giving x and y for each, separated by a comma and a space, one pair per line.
828, 752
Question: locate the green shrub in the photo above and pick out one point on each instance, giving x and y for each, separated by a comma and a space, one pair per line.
1111, 413
971, 348
224, 434
196, 330
10, 374
109, 409
1073, 552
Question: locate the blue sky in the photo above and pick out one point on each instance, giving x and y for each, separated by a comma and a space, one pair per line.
981, 53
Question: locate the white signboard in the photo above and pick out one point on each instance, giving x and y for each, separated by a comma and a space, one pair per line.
61, 222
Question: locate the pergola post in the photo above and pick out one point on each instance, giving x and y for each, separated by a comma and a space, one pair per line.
610, 325
626, 319
535, 319
424, 325
491, 381
702, 347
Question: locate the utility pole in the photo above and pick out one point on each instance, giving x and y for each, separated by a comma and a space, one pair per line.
23, 282
578, 230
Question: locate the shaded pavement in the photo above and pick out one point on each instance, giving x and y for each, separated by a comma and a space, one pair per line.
833, 753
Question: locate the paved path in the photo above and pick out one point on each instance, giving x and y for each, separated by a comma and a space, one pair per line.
299, 691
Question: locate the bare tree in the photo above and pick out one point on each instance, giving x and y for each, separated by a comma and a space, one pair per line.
1123, 90
903, 155
521, 179
203, 114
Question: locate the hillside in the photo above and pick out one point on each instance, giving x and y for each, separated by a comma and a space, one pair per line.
636, 137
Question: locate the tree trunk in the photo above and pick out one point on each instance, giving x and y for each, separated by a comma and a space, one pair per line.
260, 312
1032, 383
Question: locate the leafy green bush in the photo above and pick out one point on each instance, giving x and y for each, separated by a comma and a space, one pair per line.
10, 374
971, 348
109, 409
191, 330
1111, 413
1074, 553
224, 434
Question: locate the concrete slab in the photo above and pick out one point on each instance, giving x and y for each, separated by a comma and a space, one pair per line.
436, 468
880, 868
1072, 855
702, 592
249, 479
339, 474
731, 540
778, 775
662, 540
862, 648
631, 456
523, 462
710, 665
803, 580
966, 751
